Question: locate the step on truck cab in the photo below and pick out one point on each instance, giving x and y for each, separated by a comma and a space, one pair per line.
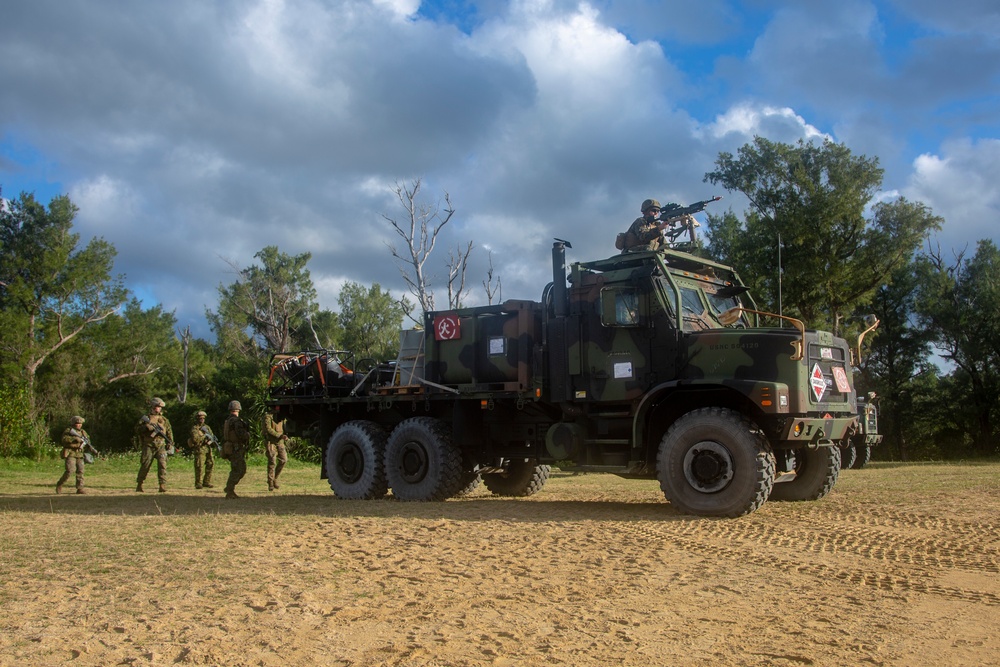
647, 365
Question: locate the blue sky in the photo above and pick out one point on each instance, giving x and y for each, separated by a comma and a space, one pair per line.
191, 134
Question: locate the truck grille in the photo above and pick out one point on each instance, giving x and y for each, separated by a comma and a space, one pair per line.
829, 373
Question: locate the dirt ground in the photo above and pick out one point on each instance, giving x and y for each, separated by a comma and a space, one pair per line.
592, 571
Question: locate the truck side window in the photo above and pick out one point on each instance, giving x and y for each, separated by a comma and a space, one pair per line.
690, 301
693, 310
620, 307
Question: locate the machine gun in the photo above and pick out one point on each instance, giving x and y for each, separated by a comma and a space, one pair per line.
89, 452
158, 430
679, 217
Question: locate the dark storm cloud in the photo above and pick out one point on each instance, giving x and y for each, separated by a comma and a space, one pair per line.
193, 134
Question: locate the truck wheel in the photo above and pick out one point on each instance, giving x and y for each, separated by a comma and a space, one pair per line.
470, 482
816, 471
713, 462
864, 456
354, 461
422, 462
848, 455
522, 479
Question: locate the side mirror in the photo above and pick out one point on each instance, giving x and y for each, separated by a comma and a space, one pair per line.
729, 317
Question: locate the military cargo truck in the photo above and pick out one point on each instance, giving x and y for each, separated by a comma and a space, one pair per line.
857, 452
646, 365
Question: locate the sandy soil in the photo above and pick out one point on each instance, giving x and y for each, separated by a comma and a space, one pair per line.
573, 576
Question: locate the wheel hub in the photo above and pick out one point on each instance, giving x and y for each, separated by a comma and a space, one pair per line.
708, 467
413, 462
350, 464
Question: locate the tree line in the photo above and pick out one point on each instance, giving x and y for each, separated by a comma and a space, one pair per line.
817, 243
74, 340
934, 361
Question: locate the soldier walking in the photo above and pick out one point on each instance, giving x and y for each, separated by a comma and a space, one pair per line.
235, 438
74, 438
274, 445
201, 444
156, 438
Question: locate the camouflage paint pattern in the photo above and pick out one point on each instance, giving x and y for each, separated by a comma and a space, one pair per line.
640, 333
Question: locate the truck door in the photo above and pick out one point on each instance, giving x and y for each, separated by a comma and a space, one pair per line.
617, 344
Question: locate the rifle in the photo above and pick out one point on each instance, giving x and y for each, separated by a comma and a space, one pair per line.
88, 449
160, 432
211, 438
675, 213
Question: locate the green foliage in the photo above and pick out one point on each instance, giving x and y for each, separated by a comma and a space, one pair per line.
21, 434
814, 197
52, 289
371, 319
322, 331
261, 311
897, 367
305, 450
959, 303
245, 381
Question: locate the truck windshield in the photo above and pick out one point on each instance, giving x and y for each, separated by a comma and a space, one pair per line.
721, 304
702, 305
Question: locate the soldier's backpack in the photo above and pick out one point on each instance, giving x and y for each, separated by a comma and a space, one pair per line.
625, 240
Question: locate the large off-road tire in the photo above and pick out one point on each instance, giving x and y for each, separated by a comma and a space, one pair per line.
422, 462
864, 456
355, 459
848, 455
816, 471
520, 480
470, 482
714, 462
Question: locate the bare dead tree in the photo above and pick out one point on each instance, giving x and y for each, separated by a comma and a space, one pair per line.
488, 286
419, 231
182, 388
458, 262
139, 367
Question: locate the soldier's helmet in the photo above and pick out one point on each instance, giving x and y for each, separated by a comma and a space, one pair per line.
648, 204
201, 413
76, 419
153, 402
235, 405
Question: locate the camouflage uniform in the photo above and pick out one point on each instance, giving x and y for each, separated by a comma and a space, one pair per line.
274, 445
201, 448
235, 437
154, 445
72, 441
644, 233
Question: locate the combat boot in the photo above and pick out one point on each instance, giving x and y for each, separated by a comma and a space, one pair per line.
81, 490
208, 486
138, 487
197, 486
276, 487
163, 488
231, 495
58, 488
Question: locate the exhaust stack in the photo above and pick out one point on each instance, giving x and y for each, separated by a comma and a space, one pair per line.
560, 295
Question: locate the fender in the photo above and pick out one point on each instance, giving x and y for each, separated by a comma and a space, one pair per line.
768, 397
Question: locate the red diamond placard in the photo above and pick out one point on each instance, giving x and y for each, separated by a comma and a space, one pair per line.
817, 382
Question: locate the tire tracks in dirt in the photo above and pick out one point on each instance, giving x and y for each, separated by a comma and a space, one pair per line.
886, 550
